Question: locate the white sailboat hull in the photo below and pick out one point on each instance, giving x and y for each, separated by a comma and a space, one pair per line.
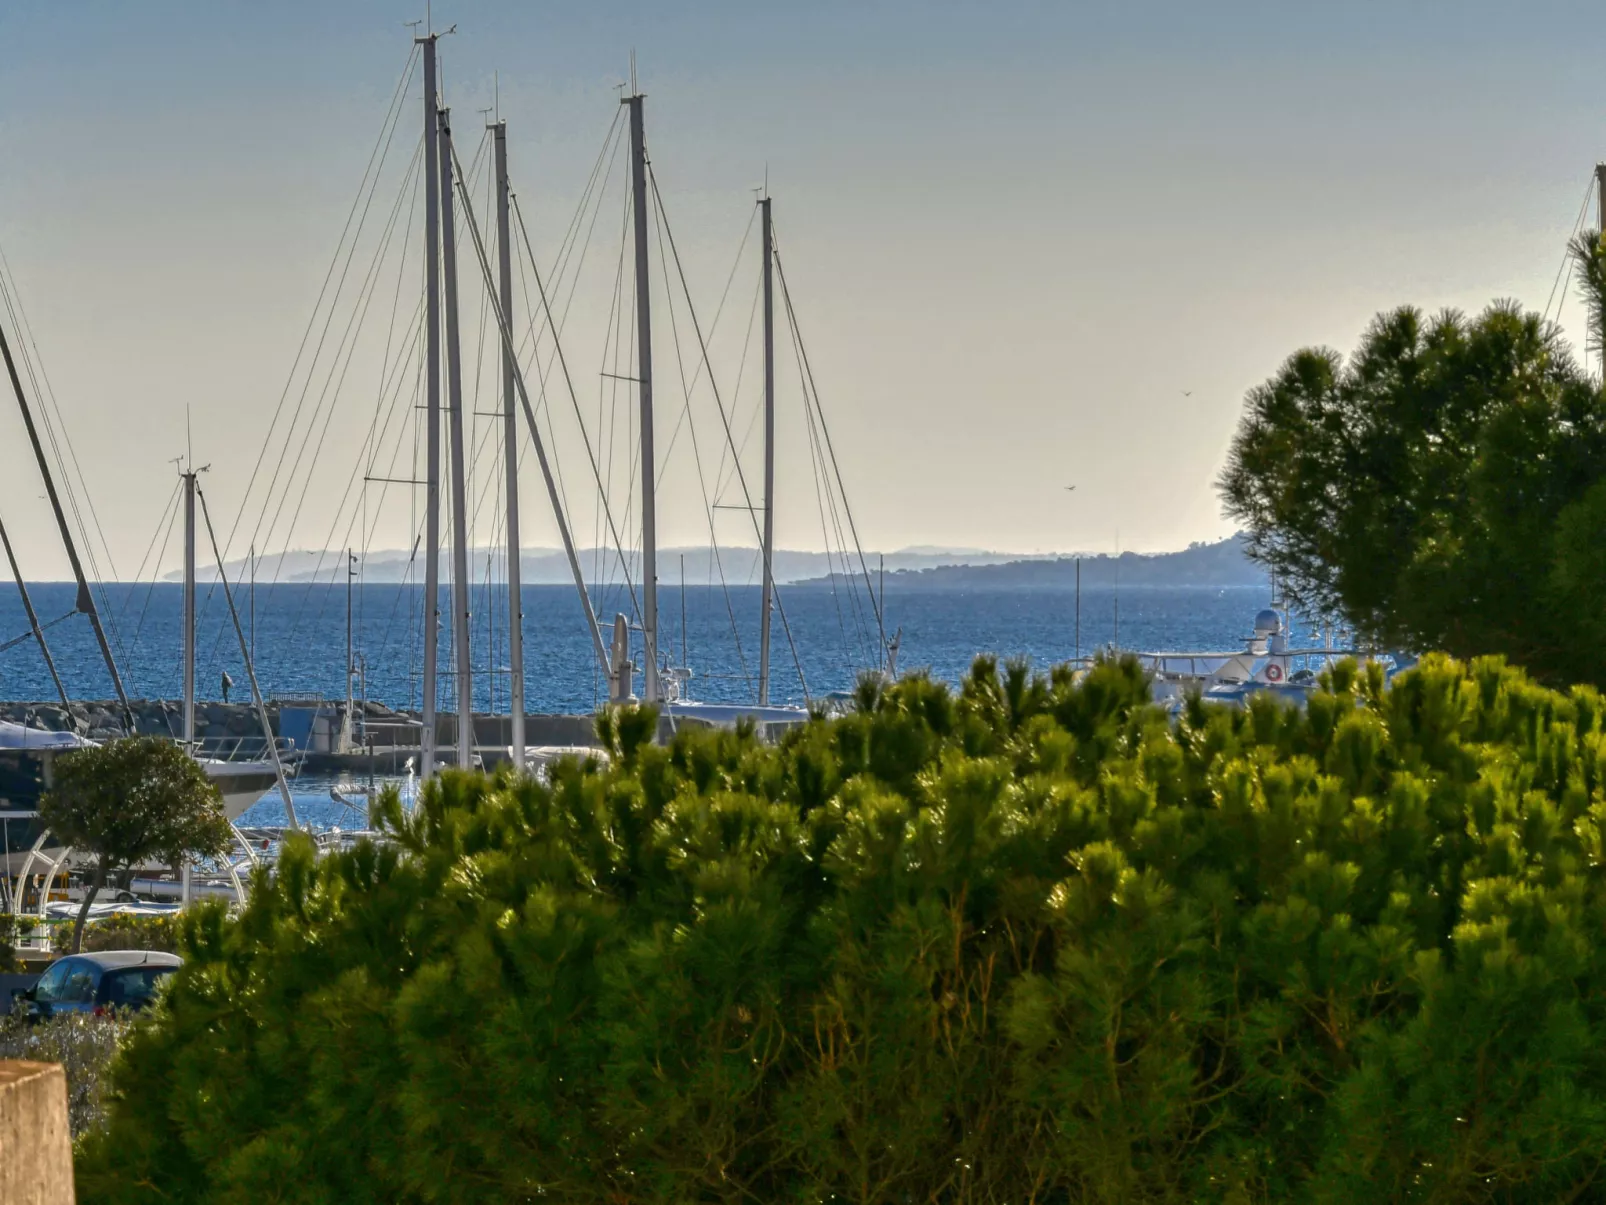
240, 783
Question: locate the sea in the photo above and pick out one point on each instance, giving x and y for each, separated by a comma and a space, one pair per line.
824, 637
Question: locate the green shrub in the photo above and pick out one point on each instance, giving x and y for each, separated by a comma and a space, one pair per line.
8, 944
1030, 941
83, 1045
122, 931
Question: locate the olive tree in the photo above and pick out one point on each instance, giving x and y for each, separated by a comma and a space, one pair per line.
129, 802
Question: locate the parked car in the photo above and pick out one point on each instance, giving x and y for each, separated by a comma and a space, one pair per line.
124, 980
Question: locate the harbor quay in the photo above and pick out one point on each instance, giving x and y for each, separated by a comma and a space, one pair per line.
316, 731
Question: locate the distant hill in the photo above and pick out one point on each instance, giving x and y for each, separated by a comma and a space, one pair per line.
1220, 564
548, 566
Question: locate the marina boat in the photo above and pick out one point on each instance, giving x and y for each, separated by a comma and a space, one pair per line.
240, 783
1269, 665
27, 757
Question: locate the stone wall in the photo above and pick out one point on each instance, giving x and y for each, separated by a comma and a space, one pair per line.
35, 1143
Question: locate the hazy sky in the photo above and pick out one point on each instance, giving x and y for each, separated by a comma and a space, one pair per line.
1017, 234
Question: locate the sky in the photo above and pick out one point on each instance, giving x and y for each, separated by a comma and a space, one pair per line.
1029, 245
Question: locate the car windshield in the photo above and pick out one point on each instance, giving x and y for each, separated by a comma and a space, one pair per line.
48, 989
134, 987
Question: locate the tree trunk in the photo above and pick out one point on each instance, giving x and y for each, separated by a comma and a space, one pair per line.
98, 882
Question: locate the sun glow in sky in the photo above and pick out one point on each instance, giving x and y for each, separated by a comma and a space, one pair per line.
1030, 244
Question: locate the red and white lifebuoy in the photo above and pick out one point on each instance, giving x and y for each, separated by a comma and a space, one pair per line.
1274, 672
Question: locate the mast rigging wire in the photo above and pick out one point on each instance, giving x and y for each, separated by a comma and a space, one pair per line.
808, 371
34, 365
724, 418
1567, 259
327, 403
574, 400
702, 484
29, 635
381, 143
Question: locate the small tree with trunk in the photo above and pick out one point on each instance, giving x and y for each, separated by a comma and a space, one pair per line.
130, 802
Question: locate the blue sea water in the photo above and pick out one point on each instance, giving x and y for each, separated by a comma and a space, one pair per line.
300, 643
300, 638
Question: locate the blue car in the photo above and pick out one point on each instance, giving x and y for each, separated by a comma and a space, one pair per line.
120, 980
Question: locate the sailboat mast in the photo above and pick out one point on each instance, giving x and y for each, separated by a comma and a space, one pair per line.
510, 453
649, 509
767, 601
189, 607
432, 417
86, 600
454, 419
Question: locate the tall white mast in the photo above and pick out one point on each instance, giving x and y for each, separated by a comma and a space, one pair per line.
649, 510
454, 418
189, 606
768, 551
510, 452
432, 413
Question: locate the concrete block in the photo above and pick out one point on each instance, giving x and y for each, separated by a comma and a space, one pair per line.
35, 1143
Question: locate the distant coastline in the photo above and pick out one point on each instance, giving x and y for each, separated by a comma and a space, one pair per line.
737, 565
1223, 564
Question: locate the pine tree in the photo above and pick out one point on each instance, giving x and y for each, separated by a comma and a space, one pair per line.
1027, 941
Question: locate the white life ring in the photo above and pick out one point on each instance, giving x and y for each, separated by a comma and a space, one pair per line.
1274, 672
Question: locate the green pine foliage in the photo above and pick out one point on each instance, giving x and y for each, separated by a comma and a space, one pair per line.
1442, 487
1029, 941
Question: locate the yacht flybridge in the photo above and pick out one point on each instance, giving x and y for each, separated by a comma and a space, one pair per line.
1269, 665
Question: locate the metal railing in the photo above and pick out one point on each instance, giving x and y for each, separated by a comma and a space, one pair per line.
242, 748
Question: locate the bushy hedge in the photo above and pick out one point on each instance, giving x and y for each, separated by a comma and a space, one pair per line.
1030, 941
122, 931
